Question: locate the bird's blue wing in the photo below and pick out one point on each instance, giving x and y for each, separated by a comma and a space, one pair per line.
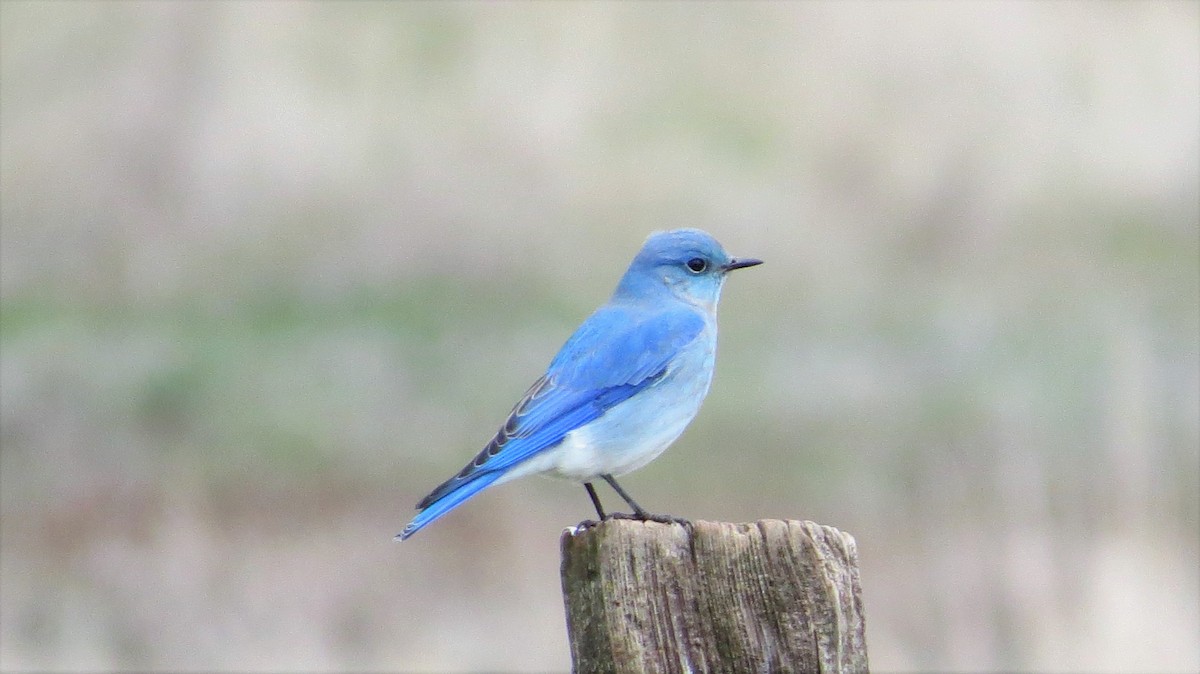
616, 353
619, 345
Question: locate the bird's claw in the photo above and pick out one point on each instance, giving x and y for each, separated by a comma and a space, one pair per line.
649, 517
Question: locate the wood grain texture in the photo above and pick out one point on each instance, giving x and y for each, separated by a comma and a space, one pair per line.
771, 596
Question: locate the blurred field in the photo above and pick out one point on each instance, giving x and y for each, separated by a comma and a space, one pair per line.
271, 271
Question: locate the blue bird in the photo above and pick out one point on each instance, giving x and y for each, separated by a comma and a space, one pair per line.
621, 389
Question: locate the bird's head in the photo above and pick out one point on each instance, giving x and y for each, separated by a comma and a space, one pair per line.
689, 263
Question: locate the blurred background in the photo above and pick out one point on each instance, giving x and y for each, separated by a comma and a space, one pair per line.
271, 271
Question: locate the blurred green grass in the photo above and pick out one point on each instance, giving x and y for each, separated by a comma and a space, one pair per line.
270, 272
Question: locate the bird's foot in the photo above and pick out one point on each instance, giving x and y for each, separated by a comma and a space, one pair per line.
588, 524
644, 516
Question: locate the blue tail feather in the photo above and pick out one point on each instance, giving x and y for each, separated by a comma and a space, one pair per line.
448, 502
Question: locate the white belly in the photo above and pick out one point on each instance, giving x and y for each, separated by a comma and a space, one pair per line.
631, 434
589, 452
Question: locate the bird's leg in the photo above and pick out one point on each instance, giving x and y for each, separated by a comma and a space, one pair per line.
640, 513
595, 500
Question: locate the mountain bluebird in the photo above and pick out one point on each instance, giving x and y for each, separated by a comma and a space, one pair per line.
621, 389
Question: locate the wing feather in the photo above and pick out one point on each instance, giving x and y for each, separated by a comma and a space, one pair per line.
617, 352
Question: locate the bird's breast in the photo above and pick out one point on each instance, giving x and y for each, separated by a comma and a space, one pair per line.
633, 433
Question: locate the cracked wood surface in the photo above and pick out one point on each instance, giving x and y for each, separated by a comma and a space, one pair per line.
769, 596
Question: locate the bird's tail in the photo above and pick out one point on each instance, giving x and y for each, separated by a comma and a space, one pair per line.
449, 501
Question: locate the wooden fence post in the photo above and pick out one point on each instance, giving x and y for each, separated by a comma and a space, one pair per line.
771, 596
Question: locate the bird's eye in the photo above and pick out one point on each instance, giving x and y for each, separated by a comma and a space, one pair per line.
697, 264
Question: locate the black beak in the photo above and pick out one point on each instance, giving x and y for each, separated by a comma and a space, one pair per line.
739, 263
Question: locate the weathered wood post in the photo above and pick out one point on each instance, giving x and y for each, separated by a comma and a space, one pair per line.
771, 596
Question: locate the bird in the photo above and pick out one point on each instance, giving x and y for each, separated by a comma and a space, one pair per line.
621, 389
